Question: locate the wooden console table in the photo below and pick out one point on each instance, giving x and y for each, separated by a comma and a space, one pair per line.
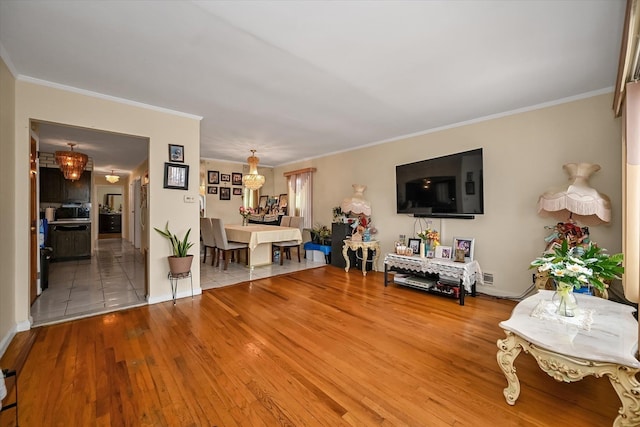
465, 274
569, 350
365, 246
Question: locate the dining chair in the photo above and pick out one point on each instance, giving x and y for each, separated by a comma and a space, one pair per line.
227, 248
285, 246
208, 239
285, 221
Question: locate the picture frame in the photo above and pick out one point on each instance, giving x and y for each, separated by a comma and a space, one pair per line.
212, 190
467, 244
470, 187
225, 177
458, 255
414, 244
225, 193
176, 177
262, 204
236, 178
213, 177
283, 200
237, 191
176, 153
443, 252
430, 253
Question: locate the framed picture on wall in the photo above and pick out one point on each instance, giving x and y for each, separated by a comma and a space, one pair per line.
176, 153
225, 177
212, 190
176, 177
225, 193
213, 177
236, 178
237, 191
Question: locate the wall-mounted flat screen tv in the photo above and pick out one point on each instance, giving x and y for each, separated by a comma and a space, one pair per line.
448, 186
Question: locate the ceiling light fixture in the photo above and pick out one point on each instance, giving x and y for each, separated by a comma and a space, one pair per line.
71, 162
253, 180
112, 178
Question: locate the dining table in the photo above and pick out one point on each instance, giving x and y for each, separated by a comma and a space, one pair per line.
259, 237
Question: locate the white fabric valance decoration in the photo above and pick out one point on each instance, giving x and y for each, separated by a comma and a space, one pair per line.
579, 201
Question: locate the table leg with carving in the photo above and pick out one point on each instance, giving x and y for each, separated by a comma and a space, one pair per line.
365, 257
345, 254
571, 369
376, 256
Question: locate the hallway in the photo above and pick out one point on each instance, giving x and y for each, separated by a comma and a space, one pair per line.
113, 279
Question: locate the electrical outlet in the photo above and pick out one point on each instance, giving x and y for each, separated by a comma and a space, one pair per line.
189, 199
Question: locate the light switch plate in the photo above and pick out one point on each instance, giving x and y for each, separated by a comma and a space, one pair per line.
189, 199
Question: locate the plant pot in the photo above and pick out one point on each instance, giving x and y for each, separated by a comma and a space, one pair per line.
180, 265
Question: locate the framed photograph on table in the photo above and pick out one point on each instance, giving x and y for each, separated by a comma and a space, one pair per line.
443, 252
236, 178
176, 153
466, 244
262, 204
225, 193
213, 177
414, 244
176, 176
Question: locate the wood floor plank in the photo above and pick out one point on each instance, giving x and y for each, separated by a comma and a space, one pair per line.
319, 347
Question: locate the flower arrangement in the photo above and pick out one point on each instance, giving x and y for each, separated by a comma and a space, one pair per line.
431, 235
245, 212
320, 233
580, 266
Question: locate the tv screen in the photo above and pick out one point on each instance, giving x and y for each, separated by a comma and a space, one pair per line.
441, 187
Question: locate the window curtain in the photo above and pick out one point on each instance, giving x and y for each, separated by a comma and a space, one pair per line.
631, 192
301, 197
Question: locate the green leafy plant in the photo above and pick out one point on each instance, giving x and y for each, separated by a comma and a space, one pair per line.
580, 265
179, 246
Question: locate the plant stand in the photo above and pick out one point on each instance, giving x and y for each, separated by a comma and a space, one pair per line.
173, 281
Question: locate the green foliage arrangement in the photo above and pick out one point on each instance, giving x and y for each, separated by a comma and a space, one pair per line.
179, 246
580, 265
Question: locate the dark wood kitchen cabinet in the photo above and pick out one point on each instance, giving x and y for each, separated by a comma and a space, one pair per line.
50, 185
55, 189
70, 241
110, 223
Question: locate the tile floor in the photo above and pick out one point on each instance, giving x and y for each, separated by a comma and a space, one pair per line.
113, 279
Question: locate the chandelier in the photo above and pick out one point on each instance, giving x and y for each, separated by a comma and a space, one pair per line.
71, 162
112, 178
253, 180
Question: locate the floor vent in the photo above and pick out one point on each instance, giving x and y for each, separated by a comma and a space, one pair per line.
487, 278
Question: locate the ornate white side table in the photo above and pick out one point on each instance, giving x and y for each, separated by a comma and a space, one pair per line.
603, 340
365, 246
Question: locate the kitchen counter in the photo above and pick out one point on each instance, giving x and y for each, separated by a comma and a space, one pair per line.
68, 221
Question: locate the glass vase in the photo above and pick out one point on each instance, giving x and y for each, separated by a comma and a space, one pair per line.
565, 300
245, 221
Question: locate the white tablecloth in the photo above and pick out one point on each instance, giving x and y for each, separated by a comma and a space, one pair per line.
255, 234
469, 272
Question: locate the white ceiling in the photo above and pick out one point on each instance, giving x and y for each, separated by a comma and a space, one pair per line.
302, 79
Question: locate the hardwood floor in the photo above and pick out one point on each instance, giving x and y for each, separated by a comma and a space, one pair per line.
319, 347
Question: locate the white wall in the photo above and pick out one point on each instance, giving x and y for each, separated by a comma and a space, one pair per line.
523, 157
228, 209
45, 103
8, 267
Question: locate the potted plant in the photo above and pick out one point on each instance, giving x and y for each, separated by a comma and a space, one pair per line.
180, 261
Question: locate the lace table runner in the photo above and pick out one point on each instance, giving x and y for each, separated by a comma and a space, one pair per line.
546, 310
